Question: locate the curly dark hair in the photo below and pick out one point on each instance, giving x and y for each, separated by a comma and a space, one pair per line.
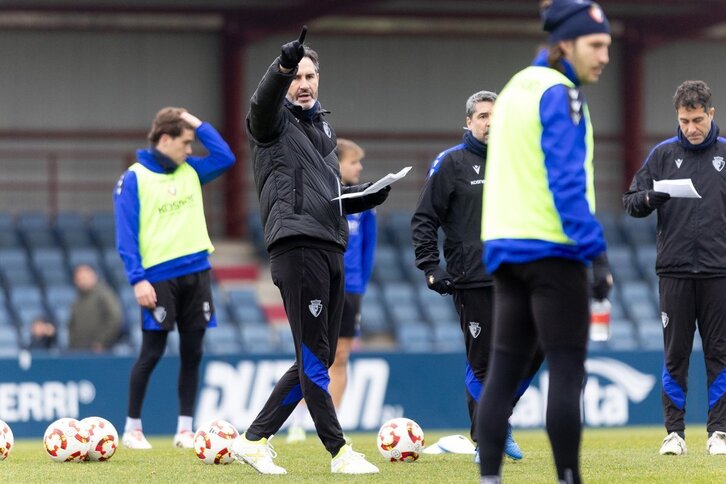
691, 95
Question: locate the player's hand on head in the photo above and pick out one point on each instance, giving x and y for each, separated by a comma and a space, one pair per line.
190, 119
145, 294
293, 52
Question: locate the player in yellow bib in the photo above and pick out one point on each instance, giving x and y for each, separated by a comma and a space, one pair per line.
540, 232
161, 235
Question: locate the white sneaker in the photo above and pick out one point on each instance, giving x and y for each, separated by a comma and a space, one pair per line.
716, 444
258, 454
673, 444
295, 434
349, 461
184, 439
134, 439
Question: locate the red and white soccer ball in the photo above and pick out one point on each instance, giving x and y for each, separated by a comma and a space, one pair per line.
213, 442
66, 440
6, 440
102, 438
400, 440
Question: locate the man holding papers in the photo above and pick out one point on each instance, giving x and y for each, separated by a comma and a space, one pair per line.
689, 194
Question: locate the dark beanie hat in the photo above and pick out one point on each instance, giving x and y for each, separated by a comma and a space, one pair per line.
569, 19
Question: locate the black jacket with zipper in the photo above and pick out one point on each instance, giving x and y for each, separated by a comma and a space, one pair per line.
296, 170
452, 199
691, 232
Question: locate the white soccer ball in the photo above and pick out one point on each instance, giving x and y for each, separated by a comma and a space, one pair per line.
213, 442
400, 440
6, 440
102, 438
66, 440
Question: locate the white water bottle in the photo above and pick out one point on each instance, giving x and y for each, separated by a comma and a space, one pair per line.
600, 320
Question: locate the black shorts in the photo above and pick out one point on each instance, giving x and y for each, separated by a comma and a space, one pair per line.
350, 324
185, 300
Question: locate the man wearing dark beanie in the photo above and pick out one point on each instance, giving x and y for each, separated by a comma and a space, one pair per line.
541, 234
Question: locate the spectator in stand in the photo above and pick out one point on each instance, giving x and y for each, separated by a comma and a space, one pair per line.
42, 334
96, 316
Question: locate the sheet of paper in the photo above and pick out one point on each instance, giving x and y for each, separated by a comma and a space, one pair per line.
383, 182
679, 188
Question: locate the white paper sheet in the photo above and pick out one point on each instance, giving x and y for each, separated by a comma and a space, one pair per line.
680, 188
383, 182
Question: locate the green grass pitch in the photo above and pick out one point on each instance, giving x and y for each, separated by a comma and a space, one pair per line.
622, 455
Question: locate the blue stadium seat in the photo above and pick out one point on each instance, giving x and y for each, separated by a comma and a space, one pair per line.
74, 237
13, 258
172, 343
54, 276
611, 228
61, 295
222, 340
26, 297
639, 231
240, 296
387, 267
70, 220
257, 338
6, 319
84, 255
10, 239
103, 228
18, 276
61, 315
414, 337
398, 226
448, 338
9, 341
635, 292
248, 314
622, 264
32, 220
373, 319
285, 342
650, 334
622, 336
48, 257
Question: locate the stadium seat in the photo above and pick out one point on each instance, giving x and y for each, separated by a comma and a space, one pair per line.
84, 255
19, 276
222, 340
9, 239
14, 257
257, 338
54, 276
248, 314
373, 319
414, 337
6, 319
172, 343
622, 335
61, 295
26, 297
387, 267
9, 342
622, 264
650, 334
639, 231
448, 338
103, 229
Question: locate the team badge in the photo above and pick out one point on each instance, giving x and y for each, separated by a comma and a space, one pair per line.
172, 191
477, 168
326, 128
718, 163
474, 328
120, 184
160, 314
315, 307
679, 162
207, 310
665, 319
596, 14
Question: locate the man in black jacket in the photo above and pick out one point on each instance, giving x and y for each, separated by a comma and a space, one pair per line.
297, 177
691, 260
452, 199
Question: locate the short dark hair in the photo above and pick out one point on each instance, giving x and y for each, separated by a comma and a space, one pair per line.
313, 57
691, 95
168, 121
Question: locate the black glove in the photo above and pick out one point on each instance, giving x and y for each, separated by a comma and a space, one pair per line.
439, 280
293, 52
602, 279
379, 197
656, 199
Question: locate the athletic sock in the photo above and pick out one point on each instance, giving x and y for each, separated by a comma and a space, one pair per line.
132, 424
184, 423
